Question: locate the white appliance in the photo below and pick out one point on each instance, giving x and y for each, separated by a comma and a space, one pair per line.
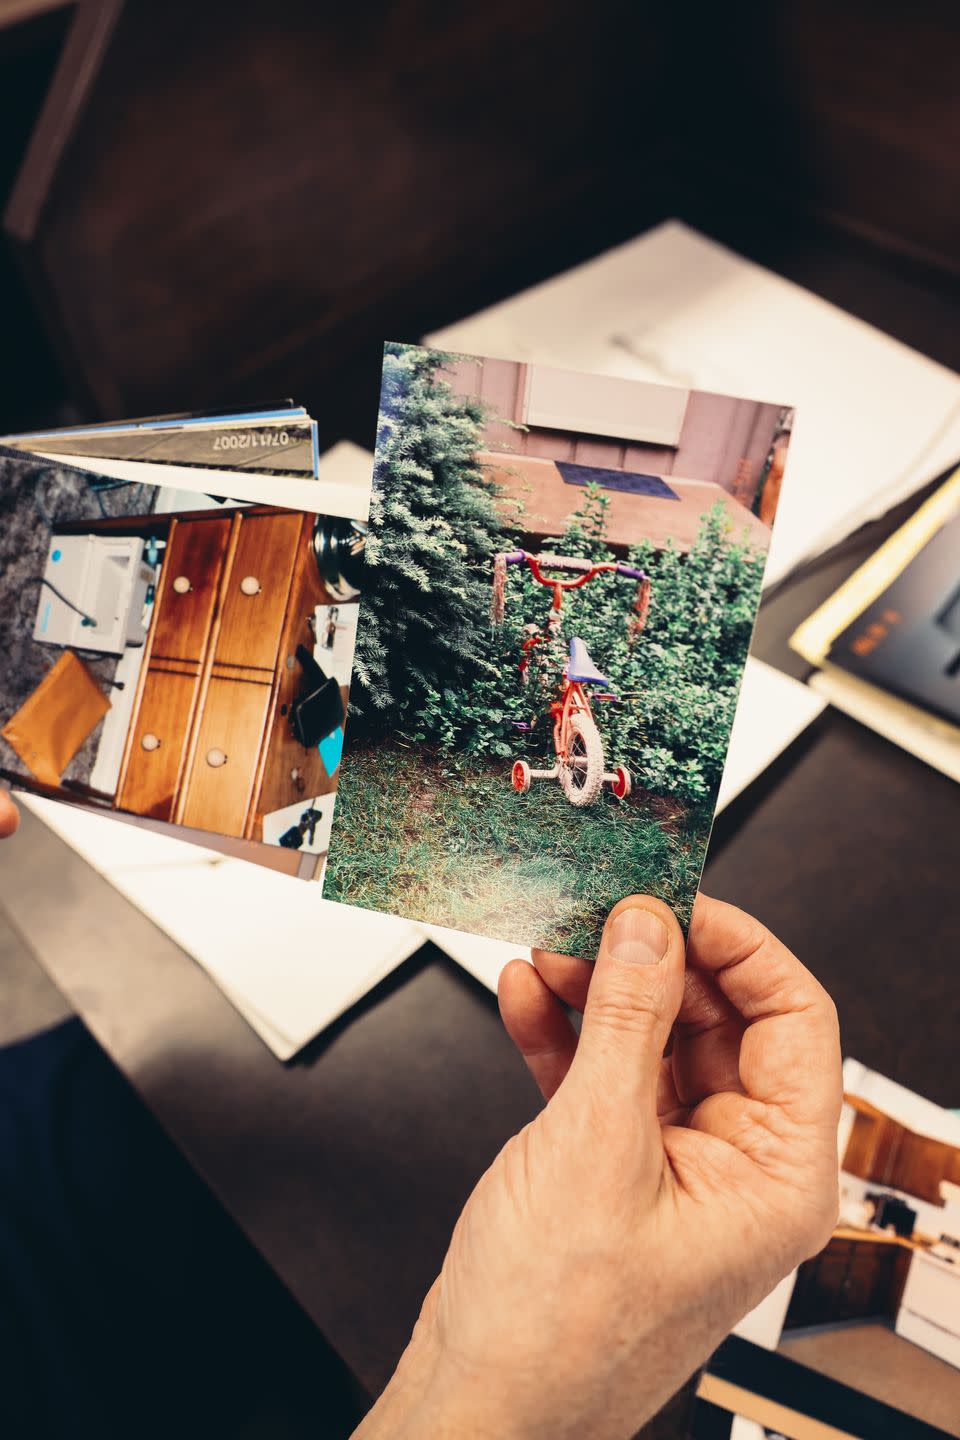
929, 1312
948, 1246
107, 579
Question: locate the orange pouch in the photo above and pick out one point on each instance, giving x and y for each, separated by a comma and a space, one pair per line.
49, 728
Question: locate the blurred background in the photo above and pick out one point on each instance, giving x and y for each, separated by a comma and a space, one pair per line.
210, 204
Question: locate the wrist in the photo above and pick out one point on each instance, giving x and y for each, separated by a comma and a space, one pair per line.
427, 1396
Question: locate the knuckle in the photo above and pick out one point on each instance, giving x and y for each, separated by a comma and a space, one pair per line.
752, 939
755, 939
614, 1010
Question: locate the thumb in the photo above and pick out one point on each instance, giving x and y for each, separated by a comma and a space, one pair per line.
634, 998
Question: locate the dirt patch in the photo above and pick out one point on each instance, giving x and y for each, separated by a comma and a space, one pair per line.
668, 813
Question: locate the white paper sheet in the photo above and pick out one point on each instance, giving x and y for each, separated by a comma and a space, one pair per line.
772, 711
341, 487
298, 961
480, 957
874, 418
290, 961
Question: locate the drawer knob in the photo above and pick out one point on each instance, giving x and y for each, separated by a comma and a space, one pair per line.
250, 585
182, 585
149, 741
216, 758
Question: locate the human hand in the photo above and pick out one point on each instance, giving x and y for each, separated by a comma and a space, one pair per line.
9, 814
617, 1239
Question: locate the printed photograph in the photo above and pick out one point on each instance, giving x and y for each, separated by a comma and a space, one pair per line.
175, 658
879, 1308
281, 442
562, 576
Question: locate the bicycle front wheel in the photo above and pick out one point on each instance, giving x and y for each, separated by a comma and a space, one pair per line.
582, 773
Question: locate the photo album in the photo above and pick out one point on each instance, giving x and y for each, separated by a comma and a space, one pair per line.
886, 644
491, 690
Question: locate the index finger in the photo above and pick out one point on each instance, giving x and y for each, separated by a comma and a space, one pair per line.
790, 1050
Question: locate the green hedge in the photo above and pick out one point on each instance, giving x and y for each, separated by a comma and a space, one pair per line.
679, 678
430, 667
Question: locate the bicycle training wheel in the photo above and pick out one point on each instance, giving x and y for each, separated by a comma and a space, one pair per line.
521, 776
582, 775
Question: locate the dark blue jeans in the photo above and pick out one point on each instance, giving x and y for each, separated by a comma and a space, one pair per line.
130, 1305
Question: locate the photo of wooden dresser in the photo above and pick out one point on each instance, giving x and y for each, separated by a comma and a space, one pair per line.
210, 743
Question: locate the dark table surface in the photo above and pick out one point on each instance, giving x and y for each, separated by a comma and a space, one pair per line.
348, 1168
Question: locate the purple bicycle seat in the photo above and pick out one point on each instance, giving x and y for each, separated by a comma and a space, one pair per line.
581, 668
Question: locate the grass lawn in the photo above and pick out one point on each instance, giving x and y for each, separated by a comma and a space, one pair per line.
420, 834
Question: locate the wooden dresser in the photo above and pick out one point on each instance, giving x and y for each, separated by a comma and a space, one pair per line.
210, 743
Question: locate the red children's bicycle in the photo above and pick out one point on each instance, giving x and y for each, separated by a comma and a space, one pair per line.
580, 765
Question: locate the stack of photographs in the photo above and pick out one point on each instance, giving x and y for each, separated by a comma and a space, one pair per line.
281, 440
538, 617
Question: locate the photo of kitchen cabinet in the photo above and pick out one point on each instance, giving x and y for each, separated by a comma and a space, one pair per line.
856, 1277
879, 1307
881, 1149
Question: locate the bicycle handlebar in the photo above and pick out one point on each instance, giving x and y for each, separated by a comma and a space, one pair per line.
584, 568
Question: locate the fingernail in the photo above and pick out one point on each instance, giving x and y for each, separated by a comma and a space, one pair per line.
637, 937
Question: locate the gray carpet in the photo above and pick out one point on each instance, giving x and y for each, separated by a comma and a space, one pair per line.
34, 496
872, 1358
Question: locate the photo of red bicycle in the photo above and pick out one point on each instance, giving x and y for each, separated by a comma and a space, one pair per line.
511, 780
580, 764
